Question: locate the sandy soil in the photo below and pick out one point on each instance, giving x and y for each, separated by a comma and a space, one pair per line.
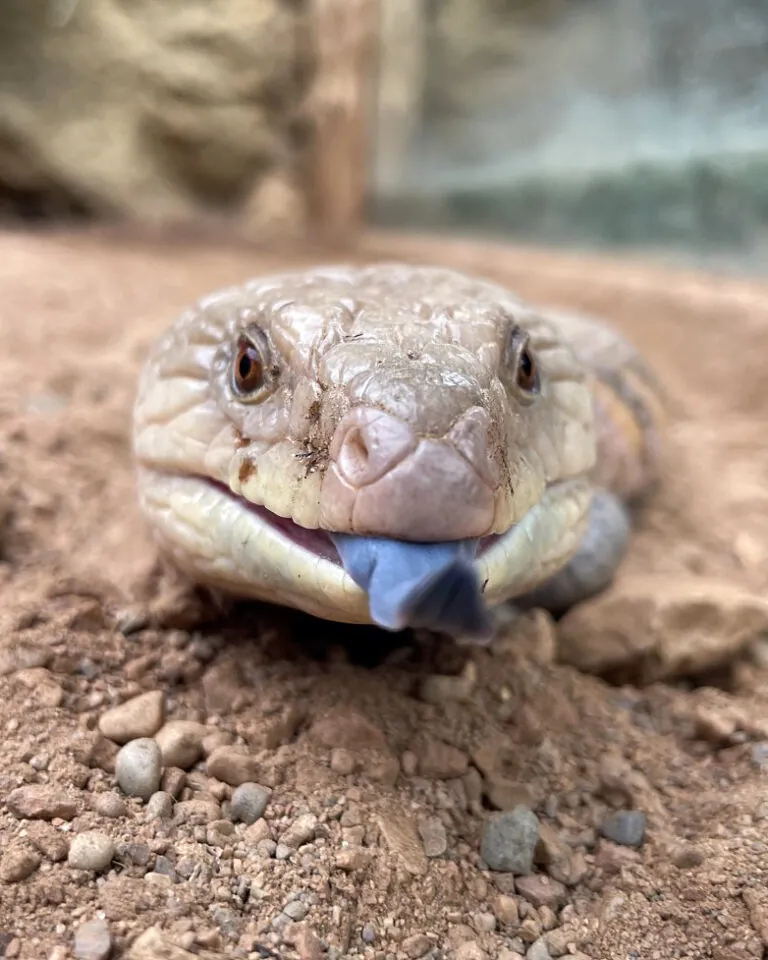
382, 759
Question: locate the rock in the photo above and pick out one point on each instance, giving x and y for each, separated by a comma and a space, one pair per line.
470, 950
48, 840
347, 728
43, 685
153, 944
196, 811
400, 835
439, 688
416, 945
301, 831
352, 859
342, 761
307, 943
559, 860
433, 836
135, 719
233, 765
439, 760
109, 805
506, 910
17, 864
541, 891
159, 806
483, 921
138, 768
93, 940
92, 851
181, 743
660, 627
538, 950
249, 801
260, 830
154, 173
296, 910
35, 802
625, 827
509, 841
688, 855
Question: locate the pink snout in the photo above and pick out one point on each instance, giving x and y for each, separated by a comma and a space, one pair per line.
386, 481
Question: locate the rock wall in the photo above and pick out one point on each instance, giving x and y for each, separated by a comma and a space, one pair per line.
153, 109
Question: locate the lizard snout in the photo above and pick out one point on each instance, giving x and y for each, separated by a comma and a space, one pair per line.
385, 480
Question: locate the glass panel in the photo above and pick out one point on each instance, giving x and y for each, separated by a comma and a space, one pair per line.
635, 124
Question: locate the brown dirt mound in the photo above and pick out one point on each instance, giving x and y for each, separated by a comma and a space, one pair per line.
380, 760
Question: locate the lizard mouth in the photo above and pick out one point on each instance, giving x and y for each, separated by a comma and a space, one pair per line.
314, 540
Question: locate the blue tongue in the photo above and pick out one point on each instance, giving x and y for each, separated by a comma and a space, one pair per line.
434, 586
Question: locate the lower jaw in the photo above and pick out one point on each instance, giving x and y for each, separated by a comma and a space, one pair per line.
314, 541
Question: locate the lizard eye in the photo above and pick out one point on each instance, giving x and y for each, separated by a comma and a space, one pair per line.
251, 376
521, 362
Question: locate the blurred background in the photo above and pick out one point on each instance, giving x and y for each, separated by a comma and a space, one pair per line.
632, 126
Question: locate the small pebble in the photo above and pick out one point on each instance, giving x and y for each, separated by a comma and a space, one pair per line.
509, 841
541, 891
160, 806
164, 867
137, 718
18, 864
181, 743
138, 768
93, 941
232, 765
625, 827
296, 910
538, 950
369, 934
470, 950
342, 761
109, 805
91, 850
35, 802
483, 922
416, 945
249, 801
433, 836
687, 856
301, 831
506, 910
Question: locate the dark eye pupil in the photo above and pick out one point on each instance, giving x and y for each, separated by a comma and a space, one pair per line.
245, 366
526, 365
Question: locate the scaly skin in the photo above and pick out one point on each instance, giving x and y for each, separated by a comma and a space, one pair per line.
394, 402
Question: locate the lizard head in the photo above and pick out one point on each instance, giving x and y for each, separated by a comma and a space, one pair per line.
389, 402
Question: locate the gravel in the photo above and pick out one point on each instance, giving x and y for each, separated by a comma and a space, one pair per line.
509, 841
160, 806
93, 940
92, 851
181, 743
138, 768
139, 717
40, 803
17, 864
249, 801
626, 827
109, 805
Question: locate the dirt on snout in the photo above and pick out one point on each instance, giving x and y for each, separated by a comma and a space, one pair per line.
594, 788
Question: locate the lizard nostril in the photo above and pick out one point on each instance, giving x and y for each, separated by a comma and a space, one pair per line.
354, 455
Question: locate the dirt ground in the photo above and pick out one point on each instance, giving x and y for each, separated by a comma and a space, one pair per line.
381, 758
